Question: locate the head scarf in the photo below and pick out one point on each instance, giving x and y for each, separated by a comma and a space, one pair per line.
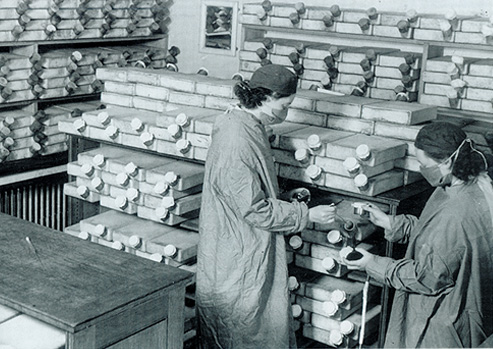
275, 78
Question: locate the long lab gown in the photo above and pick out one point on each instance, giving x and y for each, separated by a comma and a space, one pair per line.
242, 296
444, 284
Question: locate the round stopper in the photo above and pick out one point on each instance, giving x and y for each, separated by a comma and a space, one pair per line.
134, 241
293, 283
170, 250
328, 263
334, 236
121, 202
98, 160
363, 152
295, 242
330, 308
100, 230
338, 296
351, 165
301, 155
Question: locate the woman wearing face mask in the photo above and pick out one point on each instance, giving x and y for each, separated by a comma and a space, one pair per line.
444, 283
241, 291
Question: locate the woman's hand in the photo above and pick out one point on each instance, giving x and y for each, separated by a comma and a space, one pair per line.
358, 264
322, 214
377, 216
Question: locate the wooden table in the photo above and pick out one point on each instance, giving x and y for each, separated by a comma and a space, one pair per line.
98, 296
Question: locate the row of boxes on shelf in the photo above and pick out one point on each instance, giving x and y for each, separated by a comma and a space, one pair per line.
384, 129
449, 27
175, 246
136, 183
328, 309
374, 72
458, 82
326, 303
36, 20
150, 186
24, 134
65, 72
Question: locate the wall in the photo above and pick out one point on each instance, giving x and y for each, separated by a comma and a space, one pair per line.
184, 29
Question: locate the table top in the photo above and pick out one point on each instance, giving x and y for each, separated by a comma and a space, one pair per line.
68, 282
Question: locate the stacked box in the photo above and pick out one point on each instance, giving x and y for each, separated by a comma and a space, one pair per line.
141, 237
73, 19
400, 26
150, 186
331, 117
459, 82
380, 73
25, 134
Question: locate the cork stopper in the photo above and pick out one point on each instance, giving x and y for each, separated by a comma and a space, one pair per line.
161, 188
314, 142
131, 169
182, 120
346, 327
170, 251
117, 245
100, 230
372, 13
328, 263
79, 125
122, 179
87, 169
361, 181
294, 17
338, 296
296, 310
301, 155
314, 172
137, 125
157, 257
334, 236
295, 242
168, 202
330, 308
363, 152
132, 194
293, 283
161, 213
352, 165
183, 146
335, 337
135, 241
84, 235
83, 191
121, 202
147, 138
99, 160
111, 131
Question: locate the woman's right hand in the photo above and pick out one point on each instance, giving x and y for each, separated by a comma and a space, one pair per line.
322, 214
377, 216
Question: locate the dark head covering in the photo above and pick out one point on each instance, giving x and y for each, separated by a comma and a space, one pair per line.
275, 78
439, 139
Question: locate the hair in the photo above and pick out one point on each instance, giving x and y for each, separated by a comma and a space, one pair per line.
251, 98
468, 164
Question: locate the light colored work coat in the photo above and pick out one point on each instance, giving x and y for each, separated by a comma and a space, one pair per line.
242, 296
444, 285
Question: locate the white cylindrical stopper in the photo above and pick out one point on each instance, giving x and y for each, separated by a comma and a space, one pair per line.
161, 188
334, 236
295, 242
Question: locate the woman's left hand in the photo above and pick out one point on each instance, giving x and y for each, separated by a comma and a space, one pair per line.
359, 264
